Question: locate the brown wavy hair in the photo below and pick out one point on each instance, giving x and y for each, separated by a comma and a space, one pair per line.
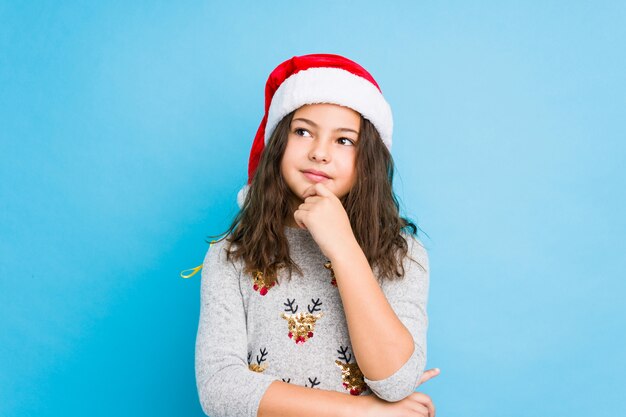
257, 236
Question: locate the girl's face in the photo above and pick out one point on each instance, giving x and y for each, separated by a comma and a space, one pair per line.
322, 139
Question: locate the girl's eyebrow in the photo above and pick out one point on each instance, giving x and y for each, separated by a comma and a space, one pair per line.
340, 129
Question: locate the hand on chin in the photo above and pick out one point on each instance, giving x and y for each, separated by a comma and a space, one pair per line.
323, 215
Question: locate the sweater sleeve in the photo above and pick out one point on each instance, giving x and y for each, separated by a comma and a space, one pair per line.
226, 386
408, 298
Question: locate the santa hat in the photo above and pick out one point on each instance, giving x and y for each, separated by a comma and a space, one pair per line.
318, 78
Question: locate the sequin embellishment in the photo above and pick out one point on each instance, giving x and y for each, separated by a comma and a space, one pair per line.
260, 285
301, 325
351, 375
257, 367
329, 266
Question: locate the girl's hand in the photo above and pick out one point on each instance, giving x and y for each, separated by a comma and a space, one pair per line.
324, 216
417, 404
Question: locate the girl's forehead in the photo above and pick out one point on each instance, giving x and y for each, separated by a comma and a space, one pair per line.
329, 113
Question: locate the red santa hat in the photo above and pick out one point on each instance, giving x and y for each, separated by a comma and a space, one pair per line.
318, 78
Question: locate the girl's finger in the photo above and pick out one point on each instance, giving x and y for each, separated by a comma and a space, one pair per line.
318, 189
297, 216
419, 408
323, 190
429, 374
305, 206
426, 401
309, 192
313, 199
431, 408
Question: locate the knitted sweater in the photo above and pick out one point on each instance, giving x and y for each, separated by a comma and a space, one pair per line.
296, 331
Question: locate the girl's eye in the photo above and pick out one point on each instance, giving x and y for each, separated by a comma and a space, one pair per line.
300, 132
347, 141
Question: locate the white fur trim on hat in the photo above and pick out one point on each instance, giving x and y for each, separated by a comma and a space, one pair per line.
335, 86
241, 195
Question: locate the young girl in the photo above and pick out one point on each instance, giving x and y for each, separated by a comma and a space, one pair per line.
351, 321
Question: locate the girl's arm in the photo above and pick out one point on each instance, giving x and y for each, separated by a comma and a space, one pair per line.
288, 400
226, 385
387, 325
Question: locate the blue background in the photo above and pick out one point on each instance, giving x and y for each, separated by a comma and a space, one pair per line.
125, 131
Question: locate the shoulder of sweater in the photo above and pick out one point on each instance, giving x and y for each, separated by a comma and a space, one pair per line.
216, 253
416, 249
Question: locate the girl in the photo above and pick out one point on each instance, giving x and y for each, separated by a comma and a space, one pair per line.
319, 202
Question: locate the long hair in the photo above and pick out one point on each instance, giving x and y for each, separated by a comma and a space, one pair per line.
257, 236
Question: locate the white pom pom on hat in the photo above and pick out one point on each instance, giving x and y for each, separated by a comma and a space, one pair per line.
318, 78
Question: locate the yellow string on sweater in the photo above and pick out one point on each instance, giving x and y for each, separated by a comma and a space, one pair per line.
196, 269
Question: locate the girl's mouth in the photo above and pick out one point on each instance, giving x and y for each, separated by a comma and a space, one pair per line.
315, 177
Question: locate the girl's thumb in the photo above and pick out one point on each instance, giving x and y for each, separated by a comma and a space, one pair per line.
429, 374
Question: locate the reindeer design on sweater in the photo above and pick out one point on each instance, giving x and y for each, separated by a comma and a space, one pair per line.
301, 325
350, 373
261, 283
257, 367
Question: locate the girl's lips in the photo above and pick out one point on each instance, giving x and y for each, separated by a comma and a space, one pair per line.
315, 177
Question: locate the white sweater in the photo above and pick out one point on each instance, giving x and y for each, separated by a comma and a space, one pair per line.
296, 331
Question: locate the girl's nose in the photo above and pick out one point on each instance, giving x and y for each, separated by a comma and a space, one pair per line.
319, 151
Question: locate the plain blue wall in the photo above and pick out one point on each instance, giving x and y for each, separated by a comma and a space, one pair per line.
125, 132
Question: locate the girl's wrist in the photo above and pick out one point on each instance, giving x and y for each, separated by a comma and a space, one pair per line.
358, 406
344, 250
